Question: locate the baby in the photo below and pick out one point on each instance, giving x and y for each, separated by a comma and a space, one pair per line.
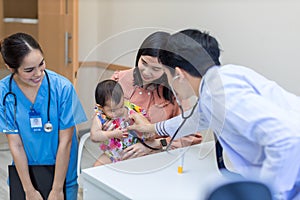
112, 113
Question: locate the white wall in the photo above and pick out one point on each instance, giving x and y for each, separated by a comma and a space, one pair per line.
260, 34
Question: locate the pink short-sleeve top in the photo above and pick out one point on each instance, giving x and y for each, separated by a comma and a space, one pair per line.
157, 108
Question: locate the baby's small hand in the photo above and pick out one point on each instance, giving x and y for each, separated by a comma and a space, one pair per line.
108, 125
120, 133
125, 134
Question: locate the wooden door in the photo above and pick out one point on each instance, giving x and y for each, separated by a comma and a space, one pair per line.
1, 32
1, 21
58, 35
18, 16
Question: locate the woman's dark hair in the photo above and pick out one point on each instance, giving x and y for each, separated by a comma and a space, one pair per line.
108, 90
151, 47
192, 50
15, 47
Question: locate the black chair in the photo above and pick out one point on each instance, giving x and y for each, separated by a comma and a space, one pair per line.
241, 190
238, 188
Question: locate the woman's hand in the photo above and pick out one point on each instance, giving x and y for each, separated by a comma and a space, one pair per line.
56, 195
33, 195
186, 141
135, 150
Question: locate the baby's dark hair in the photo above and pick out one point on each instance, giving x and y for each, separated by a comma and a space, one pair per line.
108, 90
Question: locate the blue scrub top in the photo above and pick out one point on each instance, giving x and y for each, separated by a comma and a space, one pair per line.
65, 111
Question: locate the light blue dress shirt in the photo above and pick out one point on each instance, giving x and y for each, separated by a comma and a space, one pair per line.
256, 121
65, 112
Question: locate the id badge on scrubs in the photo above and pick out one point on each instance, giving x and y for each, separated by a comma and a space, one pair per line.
35, 121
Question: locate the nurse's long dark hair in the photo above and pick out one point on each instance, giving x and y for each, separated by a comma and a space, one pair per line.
16, 47
151, 47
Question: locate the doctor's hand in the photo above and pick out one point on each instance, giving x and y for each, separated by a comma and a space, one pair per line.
142, 125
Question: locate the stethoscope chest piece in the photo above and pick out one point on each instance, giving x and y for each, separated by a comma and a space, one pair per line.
48, 127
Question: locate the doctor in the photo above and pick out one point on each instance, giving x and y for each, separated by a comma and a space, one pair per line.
38, 113
256, 121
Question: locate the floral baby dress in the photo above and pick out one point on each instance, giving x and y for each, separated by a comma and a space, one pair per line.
113, 147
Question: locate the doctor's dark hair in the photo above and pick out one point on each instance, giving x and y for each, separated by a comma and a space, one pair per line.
108, 90
151, 47
16, 47
192, 50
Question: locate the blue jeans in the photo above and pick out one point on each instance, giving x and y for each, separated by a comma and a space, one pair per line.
72, 192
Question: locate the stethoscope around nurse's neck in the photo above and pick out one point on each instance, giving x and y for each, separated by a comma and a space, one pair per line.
47, 126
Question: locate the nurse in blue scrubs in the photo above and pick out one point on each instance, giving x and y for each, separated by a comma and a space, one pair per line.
39, 110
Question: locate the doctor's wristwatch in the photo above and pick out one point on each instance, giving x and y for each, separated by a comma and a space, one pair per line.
164, 144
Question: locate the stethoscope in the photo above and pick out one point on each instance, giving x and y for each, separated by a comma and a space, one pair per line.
181, 124
182, 112
47, 126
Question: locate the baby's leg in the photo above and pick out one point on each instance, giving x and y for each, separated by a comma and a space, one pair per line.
102, 160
